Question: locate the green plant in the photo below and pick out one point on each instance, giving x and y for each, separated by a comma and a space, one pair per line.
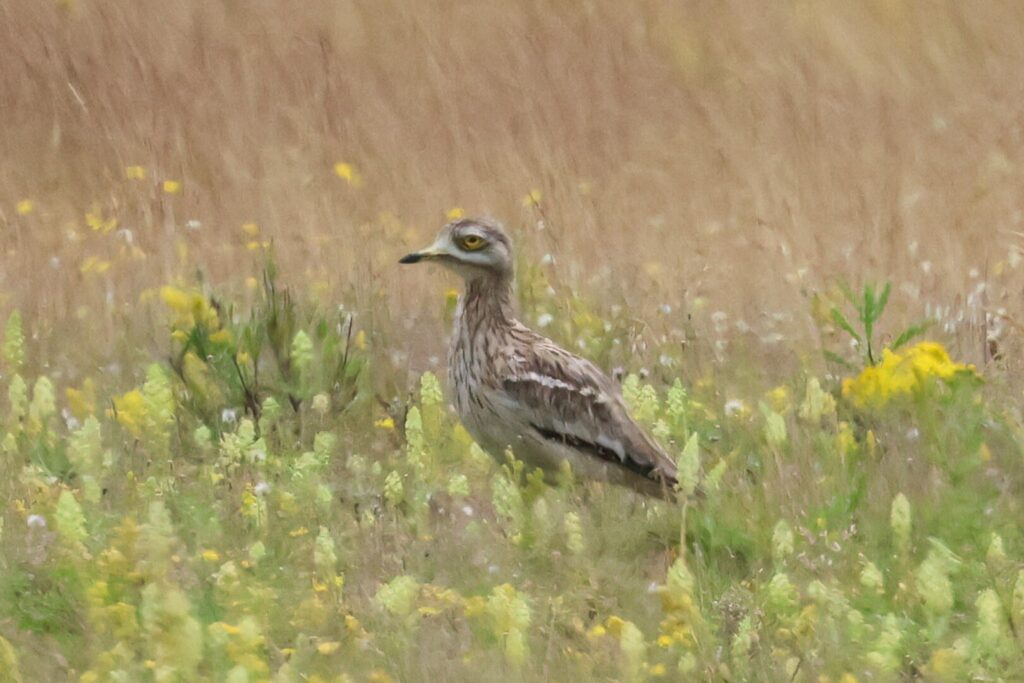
869, 307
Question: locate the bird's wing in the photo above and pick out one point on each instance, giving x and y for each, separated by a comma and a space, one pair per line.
568, 399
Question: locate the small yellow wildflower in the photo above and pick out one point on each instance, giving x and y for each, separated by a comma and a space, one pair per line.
130, 410
94, 265
256, 245
211, 555
221, 337
614, 625
25, 207
597, 632
135, 172
779, 399
984, 453
251, 229
171, 186
82, 402
384, 423
328, 647
532, 198
348, 173
251, 282
300, 531
658, 670
97, 223
455, 213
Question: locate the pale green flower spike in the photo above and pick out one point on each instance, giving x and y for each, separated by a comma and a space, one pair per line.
302, 351
900, 522
782, 543
430, 390
394, 491
324, 557
817, 403
70, 520
574, 533
510, 621
399, 595
14, 342
689, 465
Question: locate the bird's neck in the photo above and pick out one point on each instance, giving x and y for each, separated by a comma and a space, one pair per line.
489, 297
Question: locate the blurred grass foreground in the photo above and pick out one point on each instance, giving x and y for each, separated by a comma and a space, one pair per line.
793, 230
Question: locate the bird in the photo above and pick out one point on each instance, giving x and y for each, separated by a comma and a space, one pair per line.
516, 389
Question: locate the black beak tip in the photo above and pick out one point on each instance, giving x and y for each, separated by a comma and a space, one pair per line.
410, 258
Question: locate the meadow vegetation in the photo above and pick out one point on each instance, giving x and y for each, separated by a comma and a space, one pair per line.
791, 231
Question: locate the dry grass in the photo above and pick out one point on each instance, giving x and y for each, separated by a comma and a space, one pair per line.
733, 152
706, 171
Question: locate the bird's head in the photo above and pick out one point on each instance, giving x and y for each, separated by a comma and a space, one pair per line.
472, 247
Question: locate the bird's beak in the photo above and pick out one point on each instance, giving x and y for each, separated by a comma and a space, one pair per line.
433, 251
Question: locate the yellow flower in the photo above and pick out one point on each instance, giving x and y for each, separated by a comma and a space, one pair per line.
614, 625
130, 410
94, 265
455, 213
97, 223
301, 531
902, 373
384, 423
779, 399
82, 402
328, 647
348, 173
25, 207
221, 337
190, 307
532, 198
597, 632
172, 186
251, 282
210, 555
250, 229
135, 172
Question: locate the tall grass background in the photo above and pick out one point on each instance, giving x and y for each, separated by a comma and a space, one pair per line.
703, 175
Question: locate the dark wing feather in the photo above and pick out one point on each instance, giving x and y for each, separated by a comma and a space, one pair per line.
568, 399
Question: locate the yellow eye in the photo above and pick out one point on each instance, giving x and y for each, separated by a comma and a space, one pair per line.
472, 242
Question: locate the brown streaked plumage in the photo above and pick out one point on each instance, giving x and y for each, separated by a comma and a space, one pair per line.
515, 388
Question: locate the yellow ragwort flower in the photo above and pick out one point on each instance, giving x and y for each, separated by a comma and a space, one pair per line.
902, 373
455, 213
171, 187
24, 207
